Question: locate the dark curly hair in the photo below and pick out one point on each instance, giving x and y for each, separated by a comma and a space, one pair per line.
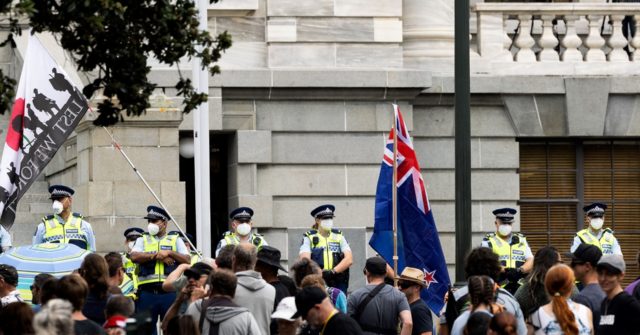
482, 261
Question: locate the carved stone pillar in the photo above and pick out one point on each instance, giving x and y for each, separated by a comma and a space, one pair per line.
428, 34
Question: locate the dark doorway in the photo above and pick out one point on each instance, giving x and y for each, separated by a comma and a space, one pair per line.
219, 148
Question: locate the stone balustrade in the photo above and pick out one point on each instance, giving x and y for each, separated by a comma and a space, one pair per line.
555, 38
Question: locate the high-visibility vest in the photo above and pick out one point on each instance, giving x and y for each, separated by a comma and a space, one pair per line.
326, 250
128, 287
70, 232
255, 239
605, 243
511, 255
131, 273
195, 258
156, 271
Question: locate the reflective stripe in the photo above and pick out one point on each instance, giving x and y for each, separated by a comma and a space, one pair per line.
69, 232
327, 246
605, 243
511, 255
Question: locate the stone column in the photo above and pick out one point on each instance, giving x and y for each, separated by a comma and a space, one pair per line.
428, 34
109, 193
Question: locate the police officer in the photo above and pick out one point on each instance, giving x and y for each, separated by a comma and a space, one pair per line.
241, 225
157, 254
327, 246
5, 239
64, 226
512, 249
594, 234
195, 258
130, 281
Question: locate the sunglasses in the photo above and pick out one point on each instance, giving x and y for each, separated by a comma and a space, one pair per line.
576, 263
404, 285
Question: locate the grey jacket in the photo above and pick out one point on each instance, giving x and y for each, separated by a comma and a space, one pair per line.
231, 321
256, 295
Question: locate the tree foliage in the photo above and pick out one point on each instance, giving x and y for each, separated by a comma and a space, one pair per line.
114, 40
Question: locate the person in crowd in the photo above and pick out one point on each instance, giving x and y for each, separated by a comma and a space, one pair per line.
188, 239
5, 239
326, 246
595, 234
337, 297
75, 290
268, 265
95, 271
118, 281
16, 318
478, 324
561, 315
131, 235
480, 261
157, 255
253, 292
36, 289
378, 307
481, 296
289, 283
190, 286
313, 305
302, 268
241, 230
8, 283
532, 294
63, 226
220, 311
48, 291
503, 323
584, 261
224, 258
512, 248
284, 317
633, 289
118, 309
619, 311
411, 282
55, 318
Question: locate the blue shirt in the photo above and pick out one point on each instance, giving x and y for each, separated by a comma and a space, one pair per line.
5, 239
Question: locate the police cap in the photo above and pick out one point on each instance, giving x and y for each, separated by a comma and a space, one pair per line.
241, 214
60, 191
506, 215
156, 213
324, 211
595, 210
133, 232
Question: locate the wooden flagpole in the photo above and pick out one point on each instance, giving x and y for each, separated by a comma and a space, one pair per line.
394, 197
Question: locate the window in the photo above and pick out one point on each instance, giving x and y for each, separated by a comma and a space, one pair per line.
557, 178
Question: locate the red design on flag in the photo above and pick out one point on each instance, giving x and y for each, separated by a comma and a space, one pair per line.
429, 277
14, 133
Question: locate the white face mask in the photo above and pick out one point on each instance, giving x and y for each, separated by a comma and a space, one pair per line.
326, 224
57, 207
504, 229
131, 244
243, 229
597, 223
153, 229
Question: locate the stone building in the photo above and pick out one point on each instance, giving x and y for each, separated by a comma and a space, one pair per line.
301, 111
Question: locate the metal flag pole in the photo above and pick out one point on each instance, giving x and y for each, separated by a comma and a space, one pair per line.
394, 194
124, 154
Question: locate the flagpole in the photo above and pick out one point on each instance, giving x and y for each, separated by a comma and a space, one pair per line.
394, 195
117, 146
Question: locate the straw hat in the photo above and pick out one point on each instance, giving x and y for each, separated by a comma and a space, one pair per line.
413, 275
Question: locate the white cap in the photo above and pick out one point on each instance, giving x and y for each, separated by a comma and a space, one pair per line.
286, 309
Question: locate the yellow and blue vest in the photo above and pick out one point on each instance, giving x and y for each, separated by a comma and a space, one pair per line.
605, 243
326, 250
512, 255
130, 281
233, 239
156, 271
69, 232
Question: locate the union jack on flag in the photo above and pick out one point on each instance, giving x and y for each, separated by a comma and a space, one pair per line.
418, 241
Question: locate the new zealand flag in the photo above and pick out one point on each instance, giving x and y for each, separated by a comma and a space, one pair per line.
418, 241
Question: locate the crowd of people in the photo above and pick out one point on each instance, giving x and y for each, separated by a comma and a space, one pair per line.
161, 284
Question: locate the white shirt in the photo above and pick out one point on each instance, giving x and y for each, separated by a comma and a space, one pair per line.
5, 239
547, 324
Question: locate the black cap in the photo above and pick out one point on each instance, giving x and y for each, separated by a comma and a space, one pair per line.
506, 215
270, 256
595, 210
9, 274
197, 270
306, 299
133, 232
376, 266
241, 214
156, 213
60, 191
586, 253
324, 211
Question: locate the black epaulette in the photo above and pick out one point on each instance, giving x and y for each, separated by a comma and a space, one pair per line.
608, 230
48, 217
311, 232
336, 231
78, 215
488, 236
